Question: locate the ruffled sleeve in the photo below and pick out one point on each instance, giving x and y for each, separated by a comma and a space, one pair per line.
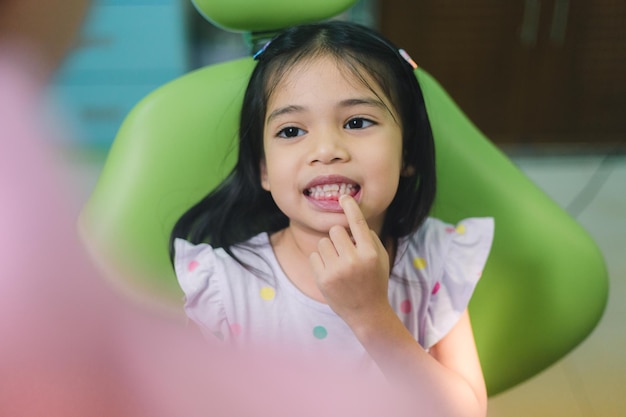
464, 252
196, 270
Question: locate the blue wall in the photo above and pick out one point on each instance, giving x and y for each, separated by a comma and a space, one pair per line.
126, 49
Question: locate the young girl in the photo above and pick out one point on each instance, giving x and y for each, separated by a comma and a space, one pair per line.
319, 238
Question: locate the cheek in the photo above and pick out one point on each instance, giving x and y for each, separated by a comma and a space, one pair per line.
265, 183
275, 174
395, 160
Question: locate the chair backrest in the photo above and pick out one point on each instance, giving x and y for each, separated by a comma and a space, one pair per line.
542, 292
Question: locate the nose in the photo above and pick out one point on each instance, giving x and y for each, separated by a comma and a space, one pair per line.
328, 147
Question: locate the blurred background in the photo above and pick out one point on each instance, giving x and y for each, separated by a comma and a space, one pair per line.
544, 80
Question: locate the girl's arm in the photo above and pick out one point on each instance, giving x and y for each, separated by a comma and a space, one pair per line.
353, 277
446, 382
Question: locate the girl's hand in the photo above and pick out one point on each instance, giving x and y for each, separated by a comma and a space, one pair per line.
352, 273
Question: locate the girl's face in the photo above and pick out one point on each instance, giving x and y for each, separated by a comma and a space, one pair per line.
327, 133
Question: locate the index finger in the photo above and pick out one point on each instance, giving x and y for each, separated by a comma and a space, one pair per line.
356, 221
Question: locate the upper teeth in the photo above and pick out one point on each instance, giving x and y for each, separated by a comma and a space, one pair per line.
330, 190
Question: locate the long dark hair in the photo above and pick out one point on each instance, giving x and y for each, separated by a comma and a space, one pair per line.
240, 208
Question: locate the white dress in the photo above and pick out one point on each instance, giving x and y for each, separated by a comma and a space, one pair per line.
433, 278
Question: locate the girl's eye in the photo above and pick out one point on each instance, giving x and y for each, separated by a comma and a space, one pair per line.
290, 132
358, 123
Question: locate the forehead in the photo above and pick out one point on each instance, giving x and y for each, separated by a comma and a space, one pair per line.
344, 73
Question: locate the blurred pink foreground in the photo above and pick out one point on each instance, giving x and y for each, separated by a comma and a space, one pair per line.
71, 346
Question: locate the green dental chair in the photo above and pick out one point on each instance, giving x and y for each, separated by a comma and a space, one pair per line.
545, 285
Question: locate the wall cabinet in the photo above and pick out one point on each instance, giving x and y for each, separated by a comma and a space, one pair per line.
525, 71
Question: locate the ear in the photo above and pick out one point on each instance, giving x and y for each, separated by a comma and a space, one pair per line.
265, 184
407, 171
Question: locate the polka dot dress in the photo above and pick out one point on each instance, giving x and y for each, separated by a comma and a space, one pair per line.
431, 283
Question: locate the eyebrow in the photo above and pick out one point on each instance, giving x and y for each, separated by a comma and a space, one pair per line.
351, 102
362, 101
284, 110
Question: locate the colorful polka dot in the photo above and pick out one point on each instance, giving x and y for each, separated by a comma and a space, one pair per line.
419, 263
460, 229
320, 332
192, 265
235, 329
450, 229
406, 306
436, 288
267, 293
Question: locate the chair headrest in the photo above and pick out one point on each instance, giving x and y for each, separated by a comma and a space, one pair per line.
268, 15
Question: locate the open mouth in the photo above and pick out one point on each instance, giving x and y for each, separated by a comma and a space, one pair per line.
331, 192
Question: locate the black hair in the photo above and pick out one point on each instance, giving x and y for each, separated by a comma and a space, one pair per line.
239, 208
